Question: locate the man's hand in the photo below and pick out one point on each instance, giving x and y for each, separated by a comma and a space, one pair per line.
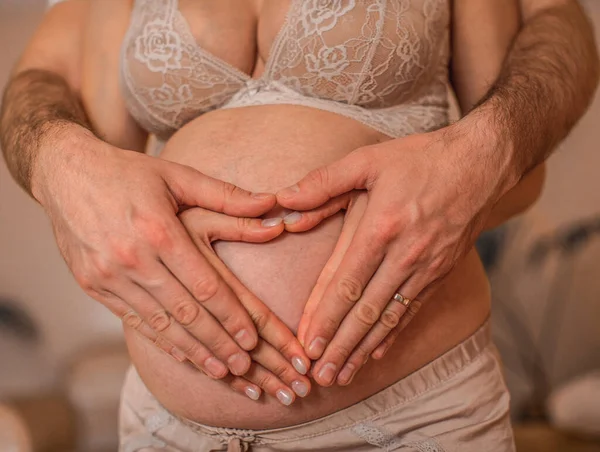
114, 215
427, 199
278, 361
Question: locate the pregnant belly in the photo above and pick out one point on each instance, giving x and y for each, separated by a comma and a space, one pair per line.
264, 149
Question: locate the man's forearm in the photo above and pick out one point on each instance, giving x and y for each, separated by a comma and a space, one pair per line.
34, 102
547, 81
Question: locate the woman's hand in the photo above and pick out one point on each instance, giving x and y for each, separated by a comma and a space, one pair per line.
427, 199
114, 215
278, 361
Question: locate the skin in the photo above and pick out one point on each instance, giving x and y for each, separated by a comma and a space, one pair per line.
545, 84
121, 236
292, 228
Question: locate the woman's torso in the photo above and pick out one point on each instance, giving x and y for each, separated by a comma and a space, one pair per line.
267, 148
270, 146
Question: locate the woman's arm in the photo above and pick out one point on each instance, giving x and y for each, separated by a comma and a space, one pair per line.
482, 33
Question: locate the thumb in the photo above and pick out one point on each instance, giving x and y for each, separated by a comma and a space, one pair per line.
190, 187
212, 226
322, 184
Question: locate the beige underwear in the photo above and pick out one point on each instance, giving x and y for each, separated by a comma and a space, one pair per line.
457, 403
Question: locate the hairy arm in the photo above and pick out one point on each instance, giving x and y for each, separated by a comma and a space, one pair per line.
42, 95
482, 33
114, 212
60, 87
546, 83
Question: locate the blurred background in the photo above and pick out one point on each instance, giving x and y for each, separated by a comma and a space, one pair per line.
62, 358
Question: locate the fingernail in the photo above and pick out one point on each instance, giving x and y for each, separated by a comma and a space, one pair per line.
178, 354
271, 222
292, 218
215, 367
261, 195
379, 352
345, 376
252, 393
244, 340
289, 192
300, 388
327, 373
316, 348
299, 365
238, 364
284, 396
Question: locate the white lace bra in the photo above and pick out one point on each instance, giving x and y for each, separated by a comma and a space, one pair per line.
380, 62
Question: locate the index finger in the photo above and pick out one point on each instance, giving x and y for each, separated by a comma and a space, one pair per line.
351, 221
192, 188
269, 326
185, 261
320, 185
358, 265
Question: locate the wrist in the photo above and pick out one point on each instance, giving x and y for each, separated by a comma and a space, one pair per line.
59, 142
483, 141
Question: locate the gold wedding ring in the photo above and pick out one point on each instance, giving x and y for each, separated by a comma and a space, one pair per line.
401, 299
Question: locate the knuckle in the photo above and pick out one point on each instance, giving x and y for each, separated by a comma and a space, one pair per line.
229, 192
349, 289
159, 321
329, 325
390, 318
221, 345
193, 351
244, 223
412, 256
286, 348
341, 350
280, 369
86, 282
265, 380
261, 319
125, 255
360, 356
186, 312
156, 233
206, 288
366, 314
132, 320
319, 176
104, 270
387, 229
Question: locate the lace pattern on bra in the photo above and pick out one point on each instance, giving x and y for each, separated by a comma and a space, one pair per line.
381, 62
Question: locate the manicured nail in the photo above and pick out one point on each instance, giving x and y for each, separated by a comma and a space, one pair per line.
238, 364
327, 373
271, 222
299, 365
299, 388
252, 393
244, 340
261, 195
215, 367
346, 375
289, 192
178, 354
284, 396
316, 347
292, 218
